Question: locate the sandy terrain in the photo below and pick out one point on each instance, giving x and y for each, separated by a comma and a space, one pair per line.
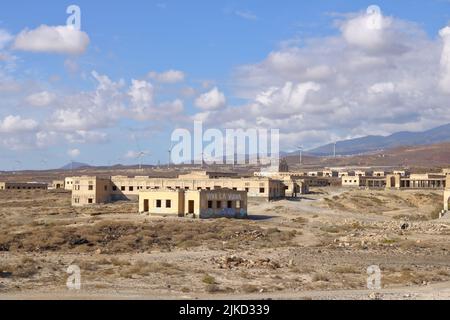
317, 248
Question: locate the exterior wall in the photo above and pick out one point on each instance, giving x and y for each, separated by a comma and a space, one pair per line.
158, 202
224, 203
374, 182
353, 181
343, 174
203, 204
23, 186
361, 173
393, 181
379, 174
446, 200
90, 190
68, 183
197, 205
126, 187
402, 173
58, 184
330, 173
447, 193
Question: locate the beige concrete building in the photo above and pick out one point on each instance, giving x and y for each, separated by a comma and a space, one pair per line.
366, 182
202, 204
58, 184
68, 183
353, 181
362, 173
90, 190
379, 174
447, 193
256, 187
23, 186
128, 188
416, 181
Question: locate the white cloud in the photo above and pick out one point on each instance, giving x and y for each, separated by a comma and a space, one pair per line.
131, 155
5, 38
363, 81
143, 106
41, 99
15, 124
82, 137
211, 100
57, 39
246, 15
170, 76
445, 60
73, 153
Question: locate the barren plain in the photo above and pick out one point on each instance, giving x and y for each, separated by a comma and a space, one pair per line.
317, 247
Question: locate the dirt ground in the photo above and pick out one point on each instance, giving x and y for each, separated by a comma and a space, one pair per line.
318, 247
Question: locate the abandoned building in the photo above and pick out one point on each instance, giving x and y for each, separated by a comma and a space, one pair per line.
91, 190
416, 181
204, 204
68, 183
447, 192
58, 184
397, 181
375, 182
23, 186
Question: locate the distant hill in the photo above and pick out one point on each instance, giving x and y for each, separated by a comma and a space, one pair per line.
424, 156
75, 166
377, 143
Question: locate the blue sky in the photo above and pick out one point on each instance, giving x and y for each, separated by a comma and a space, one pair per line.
156, 61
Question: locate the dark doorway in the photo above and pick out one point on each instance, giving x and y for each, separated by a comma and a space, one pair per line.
191, 207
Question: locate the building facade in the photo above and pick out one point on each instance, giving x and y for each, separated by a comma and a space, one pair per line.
204, 204
447, 193
23, 186
90, 190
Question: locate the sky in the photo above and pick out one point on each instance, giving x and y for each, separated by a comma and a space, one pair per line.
134, 71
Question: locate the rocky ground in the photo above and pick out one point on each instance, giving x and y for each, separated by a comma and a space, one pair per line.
316, 248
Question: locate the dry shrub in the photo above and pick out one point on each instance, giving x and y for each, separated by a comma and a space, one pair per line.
209, 279
249, 288
320, 277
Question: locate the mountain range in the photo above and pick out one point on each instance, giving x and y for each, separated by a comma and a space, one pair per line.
370, 144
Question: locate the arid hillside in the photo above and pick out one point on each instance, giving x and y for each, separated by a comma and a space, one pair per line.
429, 156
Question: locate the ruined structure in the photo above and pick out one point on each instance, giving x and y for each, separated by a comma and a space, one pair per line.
23, 186
92, 190
447, 193
204, 204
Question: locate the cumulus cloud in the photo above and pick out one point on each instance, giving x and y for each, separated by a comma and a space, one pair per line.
445, 60
211, 100
5, 38
52, 39
375, 77
143, 106
73, 153
15, 124
170, 76
41, 99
